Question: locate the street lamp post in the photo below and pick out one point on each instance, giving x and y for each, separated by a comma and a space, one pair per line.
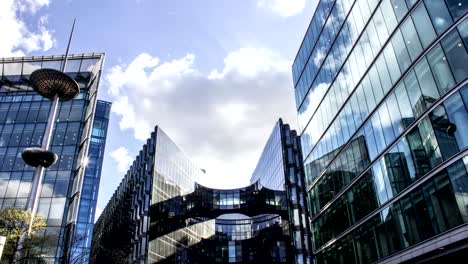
56, 86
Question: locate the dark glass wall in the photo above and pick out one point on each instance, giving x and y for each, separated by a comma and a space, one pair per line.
379, 91
161, 173
159, 214
280, 167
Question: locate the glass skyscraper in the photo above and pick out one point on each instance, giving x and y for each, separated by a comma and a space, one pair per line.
23, 118
382, 97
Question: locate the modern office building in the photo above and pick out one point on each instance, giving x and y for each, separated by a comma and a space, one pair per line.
129, 229
280, 168
23, 118
160, 214
382, 97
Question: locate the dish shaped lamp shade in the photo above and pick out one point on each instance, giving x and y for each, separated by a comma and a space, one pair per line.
38, 156
50, 82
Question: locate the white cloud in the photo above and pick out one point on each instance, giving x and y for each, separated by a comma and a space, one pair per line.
122, 158
221, 119
21, 39
284, 8
249, 62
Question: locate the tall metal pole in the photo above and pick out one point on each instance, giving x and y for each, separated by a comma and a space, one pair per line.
39, 172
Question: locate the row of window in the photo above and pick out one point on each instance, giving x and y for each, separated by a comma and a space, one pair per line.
440, 66
369, 40
14, 71
438, 137
380, 77
324, 100
25, 135
241, 231
431, 77
315, 27
15, 97
327, 60
32, 112
11, 160
438, 205
167, 246
335, 30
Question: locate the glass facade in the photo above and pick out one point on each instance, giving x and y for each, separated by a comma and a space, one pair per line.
237, 239
81, 243
280, 168
125, 232
23, 118
380, 96
173, 219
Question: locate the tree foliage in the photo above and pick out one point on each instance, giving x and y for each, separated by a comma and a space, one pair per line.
14, 223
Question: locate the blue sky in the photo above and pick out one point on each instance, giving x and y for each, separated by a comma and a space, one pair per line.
214, 74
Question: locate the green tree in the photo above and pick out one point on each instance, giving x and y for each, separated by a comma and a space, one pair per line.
14, 223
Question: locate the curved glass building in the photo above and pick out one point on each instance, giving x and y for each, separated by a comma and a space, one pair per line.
382, 98
160, 214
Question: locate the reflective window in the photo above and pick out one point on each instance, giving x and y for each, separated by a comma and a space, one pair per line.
423, 25
29, 67
439, 14
390, 19
426, 83
440, 68
411, 39
399, 6
400, 50
456, 55
457, 116
463, 29
457, 7
12, 69
52, 64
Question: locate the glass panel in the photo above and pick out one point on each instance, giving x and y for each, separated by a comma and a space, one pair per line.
458, 119
457, 7
440, 16
411, 39
55, 64
427, 84
463, 29
443, 131
419, 154
400, 50
431, 147
440, 68
399, 6
423, 25
392, 64
459, 180
88, 65
456, 55
390, 19
12, 71
29, 67
73, 65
